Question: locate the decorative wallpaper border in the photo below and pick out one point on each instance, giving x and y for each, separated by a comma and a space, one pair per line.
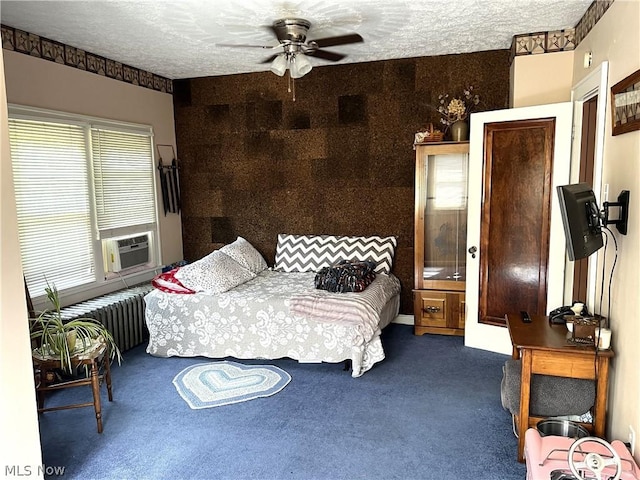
36, 46
543, 42
590, 18
559, 40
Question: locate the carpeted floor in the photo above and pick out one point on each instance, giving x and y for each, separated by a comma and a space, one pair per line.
431, 410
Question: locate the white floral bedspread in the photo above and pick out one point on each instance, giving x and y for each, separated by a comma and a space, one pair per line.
253, 320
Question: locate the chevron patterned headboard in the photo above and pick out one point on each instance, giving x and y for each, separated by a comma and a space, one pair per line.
310, 253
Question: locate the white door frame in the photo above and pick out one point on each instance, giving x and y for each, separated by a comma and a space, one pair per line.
496, 338
596, 83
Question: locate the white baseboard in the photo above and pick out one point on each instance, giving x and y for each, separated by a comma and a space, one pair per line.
403, 319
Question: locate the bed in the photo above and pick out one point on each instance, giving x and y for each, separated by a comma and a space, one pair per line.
277, 312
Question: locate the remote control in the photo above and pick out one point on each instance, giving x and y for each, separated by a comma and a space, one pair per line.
525, 317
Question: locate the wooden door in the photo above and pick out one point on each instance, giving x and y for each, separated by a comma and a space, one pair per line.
515, 237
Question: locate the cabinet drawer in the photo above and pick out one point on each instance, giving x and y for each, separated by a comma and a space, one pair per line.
432, 309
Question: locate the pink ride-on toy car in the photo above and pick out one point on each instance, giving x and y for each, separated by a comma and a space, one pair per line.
554, 457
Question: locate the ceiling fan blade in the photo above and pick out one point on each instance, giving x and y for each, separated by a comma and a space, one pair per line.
339, 40
326, 55
246, 46
270, 59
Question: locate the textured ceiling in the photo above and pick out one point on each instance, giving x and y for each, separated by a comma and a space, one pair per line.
180, 39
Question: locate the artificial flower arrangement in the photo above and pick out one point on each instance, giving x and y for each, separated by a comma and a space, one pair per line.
458, 108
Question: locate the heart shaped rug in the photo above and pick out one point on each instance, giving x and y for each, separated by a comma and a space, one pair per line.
213, 384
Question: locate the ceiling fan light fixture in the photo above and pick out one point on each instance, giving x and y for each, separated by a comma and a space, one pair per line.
295, 47
279, 65
300, 66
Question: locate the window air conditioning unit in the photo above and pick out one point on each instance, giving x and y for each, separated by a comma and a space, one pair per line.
127, 252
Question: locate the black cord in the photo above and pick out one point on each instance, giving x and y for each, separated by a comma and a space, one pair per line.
613, 267
598, 317
604, 264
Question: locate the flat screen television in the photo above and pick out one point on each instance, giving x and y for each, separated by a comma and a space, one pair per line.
581, 219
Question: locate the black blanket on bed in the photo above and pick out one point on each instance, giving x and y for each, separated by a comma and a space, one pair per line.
346, 276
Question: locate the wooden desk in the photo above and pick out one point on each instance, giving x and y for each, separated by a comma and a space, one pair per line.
95, 359
544, 349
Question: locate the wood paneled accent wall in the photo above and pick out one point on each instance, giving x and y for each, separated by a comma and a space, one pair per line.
339, 160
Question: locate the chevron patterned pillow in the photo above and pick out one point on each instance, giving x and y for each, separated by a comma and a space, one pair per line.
310, 253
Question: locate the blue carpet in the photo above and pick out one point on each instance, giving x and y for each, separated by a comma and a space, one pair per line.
430, 410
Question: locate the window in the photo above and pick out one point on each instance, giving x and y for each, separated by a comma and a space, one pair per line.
79, 182
450, 180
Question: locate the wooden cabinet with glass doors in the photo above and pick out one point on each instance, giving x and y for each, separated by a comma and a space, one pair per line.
440, 237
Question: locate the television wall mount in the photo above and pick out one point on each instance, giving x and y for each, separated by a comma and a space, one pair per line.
623, 204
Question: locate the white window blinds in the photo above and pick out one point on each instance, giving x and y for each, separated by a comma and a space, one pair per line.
53, 203
123, 182
450, 173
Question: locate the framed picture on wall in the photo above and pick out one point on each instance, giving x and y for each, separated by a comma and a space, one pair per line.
625, 104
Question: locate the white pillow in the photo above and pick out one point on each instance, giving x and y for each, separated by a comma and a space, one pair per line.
246, 255
215, 273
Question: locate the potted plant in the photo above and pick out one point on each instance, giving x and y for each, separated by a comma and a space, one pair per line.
64, 340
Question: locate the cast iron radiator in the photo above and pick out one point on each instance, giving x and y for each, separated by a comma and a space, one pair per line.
122, 312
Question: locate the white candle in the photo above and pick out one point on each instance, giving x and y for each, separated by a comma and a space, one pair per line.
604, 339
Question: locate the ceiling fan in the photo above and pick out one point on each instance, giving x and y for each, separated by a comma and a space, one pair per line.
292, 37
